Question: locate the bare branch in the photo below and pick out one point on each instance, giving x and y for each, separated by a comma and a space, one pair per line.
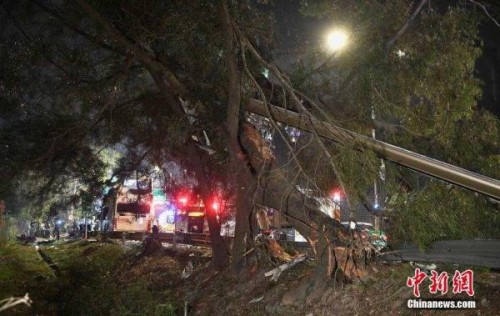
407, 24
13, 301
482, 6
144, 57
60, 17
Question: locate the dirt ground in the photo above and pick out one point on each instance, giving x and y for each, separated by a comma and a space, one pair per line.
384, 292
119, 281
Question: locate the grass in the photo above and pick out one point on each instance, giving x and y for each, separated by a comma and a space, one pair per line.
90, 281
20, 266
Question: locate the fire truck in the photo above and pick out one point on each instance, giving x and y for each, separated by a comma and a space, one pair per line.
190, 213
187, 213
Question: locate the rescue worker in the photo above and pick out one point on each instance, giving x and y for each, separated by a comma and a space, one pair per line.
56, 231
152, 243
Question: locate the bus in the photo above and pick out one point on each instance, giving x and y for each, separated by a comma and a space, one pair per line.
132, 206
137, 207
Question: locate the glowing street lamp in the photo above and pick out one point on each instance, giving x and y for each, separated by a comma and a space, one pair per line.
336, 40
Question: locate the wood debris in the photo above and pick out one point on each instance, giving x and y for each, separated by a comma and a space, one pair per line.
256, 300
348, 263
275, 273
278, 252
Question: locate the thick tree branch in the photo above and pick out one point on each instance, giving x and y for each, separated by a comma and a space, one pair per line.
234, 90
92, 39
149, 61
406, 158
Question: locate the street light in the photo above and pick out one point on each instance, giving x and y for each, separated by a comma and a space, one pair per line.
336, 40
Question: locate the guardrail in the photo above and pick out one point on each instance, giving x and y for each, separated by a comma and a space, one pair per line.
194, 239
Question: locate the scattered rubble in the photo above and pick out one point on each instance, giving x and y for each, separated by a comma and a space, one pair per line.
187, 270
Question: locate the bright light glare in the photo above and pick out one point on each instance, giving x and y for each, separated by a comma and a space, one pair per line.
336, 197
183, 200
336, 40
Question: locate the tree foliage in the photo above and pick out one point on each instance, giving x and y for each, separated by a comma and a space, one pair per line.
423, 92
150, 77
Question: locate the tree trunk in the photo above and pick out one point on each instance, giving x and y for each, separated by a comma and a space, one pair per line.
220, 258
243, 224
245, 180
327, 236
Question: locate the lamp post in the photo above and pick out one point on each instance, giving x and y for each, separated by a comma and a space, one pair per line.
381, 175
375, 191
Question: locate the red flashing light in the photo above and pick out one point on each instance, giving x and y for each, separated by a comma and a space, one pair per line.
336, 195
215, 206
183, 200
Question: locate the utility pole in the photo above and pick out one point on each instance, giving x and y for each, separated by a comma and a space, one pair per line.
85, 221
71, 215
375, 189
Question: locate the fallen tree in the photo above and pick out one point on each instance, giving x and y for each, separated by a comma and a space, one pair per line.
432, 167
184, 89
334, 246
